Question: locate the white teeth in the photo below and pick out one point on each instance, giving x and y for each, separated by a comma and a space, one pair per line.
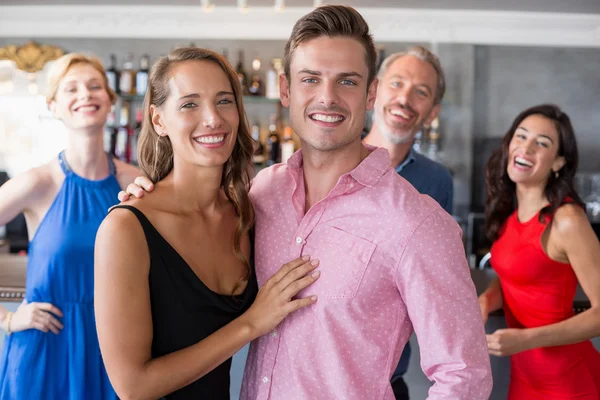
87, 108
326, 118
399, 113
522, 161
210, 139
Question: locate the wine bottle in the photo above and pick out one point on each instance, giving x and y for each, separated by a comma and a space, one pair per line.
241, 72
259, 151
127, 77
256, 86
287, 146
141, 77
123, 134
112, 75
273, 143
272, 81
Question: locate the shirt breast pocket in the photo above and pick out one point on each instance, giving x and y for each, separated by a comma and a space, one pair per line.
343, 260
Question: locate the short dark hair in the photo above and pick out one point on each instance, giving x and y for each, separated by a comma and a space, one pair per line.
332, 21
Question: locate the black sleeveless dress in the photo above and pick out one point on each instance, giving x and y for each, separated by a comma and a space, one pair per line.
185, 311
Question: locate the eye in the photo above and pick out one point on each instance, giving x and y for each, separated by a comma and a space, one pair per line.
543, 144
70, 90
96, 87
422, 93
225, 101
520, 136
347, 82
189, 105
309, 80
395, 84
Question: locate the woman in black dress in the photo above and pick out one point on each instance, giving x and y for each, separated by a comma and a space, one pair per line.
175, 287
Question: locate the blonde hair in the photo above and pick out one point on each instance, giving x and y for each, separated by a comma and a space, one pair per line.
155, 153
61, 66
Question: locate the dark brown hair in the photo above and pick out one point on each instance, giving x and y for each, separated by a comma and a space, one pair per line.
332, 21
155, 153
501, 196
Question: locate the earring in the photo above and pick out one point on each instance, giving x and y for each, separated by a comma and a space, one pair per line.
556, 174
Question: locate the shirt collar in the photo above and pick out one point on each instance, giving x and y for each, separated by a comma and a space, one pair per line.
367, 173
411, 157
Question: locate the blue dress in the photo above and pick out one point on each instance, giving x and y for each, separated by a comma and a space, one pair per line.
60, 270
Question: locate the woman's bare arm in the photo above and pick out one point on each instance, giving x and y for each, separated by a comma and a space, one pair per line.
124, 320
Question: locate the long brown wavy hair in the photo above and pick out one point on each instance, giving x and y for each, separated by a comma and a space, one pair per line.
155, 153
501, 191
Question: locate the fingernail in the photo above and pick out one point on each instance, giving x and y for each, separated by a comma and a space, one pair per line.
313, 298
314, 262
306, 258
316, 274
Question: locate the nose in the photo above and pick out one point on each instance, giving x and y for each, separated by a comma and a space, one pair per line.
83, 93
403, 94
211, 117
328, 95
530, 146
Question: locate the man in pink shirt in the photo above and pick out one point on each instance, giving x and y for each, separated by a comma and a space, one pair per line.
391, 259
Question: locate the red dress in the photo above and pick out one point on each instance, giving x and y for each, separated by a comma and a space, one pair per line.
539, 291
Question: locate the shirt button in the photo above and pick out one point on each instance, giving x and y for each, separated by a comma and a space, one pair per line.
298, 240
265, 379
351, 185
274, 333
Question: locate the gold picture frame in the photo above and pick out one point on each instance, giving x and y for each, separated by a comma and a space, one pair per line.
31, 57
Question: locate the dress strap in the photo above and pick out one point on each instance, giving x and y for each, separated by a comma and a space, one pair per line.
62, 161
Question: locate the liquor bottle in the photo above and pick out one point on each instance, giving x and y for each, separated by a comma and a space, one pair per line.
256, 86
123, 134
141, 77
433, 151
273, 143
241, 72
287, 146
259, 151
134, 134
127, 77
272, 81
112, 75
418, 143
110, 132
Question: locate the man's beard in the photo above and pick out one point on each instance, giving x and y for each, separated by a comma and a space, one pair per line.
389, 134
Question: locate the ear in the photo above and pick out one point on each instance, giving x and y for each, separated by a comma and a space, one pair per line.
558, 164
433, 114
284, 90
52, 108
157, 121
372, 94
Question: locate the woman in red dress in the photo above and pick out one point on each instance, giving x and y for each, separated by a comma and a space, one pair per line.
543, 244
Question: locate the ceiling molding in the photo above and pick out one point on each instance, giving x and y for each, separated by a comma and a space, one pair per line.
387, 24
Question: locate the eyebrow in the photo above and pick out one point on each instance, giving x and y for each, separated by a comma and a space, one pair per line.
541, 134
74, 80
197, 96
340, 75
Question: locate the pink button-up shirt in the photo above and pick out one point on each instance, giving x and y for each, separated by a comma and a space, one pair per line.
391, 261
